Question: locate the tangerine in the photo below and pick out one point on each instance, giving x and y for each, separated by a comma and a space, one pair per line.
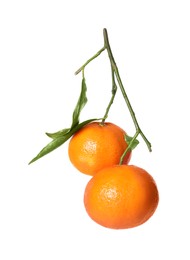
96, 146
120, 197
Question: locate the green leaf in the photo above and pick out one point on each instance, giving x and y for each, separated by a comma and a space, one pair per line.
80, 104
79, 126
58, 134
59, 140
131, 141
63, 135
55, 143
76, 113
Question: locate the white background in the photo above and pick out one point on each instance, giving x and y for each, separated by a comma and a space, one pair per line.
42, 43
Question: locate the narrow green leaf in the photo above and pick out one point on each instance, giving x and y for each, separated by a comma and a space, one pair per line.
80, 104
55, 143
58, 134
79, 126
59, 140
131, 141
76, 113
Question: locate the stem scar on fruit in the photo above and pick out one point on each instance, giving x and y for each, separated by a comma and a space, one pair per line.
60, 137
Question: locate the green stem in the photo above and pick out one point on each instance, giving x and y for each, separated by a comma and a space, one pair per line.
88, 61
128, 147
114, 90
116, 71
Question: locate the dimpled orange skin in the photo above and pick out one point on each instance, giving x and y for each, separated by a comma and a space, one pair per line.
97, 146
121, 197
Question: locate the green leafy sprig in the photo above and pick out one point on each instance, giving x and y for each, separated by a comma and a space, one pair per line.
131, 141
60, 137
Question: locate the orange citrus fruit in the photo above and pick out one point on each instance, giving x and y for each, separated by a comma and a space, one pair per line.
96, 146
122, 196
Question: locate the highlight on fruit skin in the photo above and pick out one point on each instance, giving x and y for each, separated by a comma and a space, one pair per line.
121, 197
96, 146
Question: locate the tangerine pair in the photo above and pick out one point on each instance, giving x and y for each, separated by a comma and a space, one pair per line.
117, 196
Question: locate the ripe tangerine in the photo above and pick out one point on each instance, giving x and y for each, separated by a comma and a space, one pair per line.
97, 146
120, 197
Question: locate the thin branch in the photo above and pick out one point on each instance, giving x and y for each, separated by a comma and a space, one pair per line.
116, 71
88, 61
